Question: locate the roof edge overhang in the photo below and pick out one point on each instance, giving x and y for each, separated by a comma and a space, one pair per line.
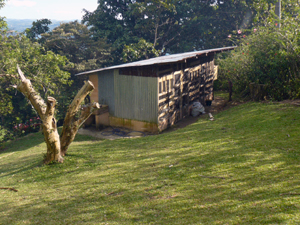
162, 59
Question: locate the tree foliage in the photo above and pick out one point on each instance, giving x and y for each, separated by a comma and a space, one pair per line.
38, 27
43, 68
267, 55
74, 40
139, 51
171, 26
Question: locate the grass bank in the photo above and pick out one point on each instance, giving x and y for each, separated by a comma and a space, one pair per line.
242, 168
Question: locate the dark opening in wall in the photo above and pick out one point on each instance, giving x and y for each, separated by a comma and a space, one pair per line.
168, 85
159, 87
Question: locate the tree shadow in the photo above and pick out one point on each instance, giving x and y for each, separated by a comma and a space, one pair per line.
23, 143
172, 178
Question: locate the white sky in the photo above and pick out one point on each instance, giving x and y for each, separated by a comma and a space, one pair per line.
49, 9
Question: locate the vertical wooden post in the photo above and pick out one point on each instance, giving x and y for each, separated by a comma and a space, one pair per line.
205, 83
181, 91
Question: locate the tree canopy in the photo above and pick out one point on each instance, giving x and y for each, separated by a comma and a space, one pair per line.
43, 67
171, 26
74, 40
267, 56
38, 27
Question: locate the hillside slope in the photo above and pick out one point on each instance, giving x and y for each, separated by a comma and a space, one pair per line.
242, 168
21, 25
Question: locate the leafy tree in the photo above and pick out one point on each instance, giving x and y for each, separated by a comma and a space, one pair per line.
139, 51
110, 21
268, 56
74, 40
38, 27
132, 22
156, 21
171, 26
43, 68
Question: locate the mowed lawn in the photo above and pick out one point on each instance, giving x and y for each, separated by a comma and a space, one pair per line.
242, 168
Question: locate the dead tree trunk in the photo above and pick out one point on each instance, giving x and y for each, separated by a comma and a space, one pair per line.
71, 123
51, 134
46, 113
57, 148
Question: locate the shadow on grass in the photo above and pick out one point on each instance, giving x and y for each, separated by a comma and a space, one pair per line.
23, 143
27, 160
160, 194
32, 140
229, 171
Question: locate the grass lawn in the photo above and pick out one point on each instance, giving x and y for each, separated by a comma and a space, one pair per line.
242, 168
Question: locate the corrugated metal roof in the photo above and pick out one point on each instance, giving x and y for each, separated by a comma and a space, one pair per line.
162, 59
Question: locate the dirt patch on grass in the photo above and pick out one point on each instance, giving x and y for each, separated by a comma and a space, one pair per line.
288, 102
218, 104
111, 133
295, 102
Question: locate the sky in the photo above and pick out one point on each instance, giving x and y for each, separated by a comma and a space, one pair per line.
49, 9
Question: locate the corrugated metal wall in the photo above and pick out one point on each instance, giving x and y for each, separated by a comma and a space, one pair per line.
106, 89
136, 98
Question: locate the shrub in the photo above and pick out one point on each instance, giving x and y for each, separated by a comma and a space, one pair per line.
5, 135
32, 125
267, 56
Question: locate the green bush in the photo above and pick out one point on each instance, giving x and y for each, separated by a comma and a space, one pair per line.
266, 56
5, 135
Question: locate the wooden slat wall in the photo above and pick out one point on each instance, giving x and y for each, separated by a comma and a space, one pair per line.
168, 101
190, 84
209, 82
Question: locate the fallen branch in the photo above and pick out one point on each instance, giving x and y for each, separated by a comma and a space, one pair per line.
6, 188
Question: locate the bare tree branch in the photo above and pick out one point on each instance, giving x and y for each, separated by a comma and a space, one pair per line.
71, 124
88, 112
36, 100
46, 112
56, 146
21, 73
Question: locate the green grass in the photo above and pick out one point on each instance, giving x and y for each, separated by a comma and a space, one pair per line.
222, 94
242, 168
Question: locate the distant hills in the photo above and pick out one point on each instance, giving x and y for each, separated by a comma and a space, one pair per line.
21, 25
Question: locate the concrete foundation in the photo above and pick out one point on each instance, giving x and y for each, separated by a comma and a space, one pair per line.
134, 125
